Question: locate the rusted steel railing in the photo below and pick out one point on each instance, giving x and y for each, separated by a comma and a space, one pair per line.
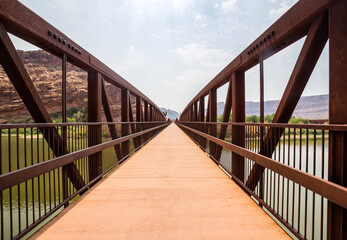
251, 165
34, 180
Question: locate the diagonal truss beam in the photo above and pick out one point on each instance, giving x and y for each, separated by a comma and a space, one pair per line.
309, 55
226, 116
21, 80
107, 110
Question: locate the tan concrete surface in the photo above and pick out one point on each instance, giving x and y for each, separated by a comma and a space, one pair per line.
168, 190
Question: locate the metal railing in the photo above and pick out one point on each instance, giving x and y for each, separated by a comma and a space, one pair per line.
37, 180
286, 175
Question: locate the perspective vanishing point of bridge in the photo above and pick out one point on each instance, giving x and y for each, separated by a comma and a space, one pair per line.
149, 177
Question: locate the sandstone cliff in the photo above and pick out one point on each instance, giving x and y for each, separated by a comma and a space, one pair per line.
45, 72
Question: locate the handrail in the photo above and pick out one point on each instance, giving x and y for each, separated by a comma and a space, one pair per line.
330, 127
29, 125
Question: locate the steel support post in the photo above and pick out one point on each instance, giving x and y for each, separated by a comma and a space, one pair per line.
150, 113
213, 119
125, 118
132, 125
261, 84
337, 173
146, 111
207, 126
195, 111
63, 132
202, 119
138, 118
238, 132
94, 115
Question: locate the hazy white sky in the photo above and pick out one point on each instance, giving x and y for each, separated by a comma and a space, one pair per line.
170, 49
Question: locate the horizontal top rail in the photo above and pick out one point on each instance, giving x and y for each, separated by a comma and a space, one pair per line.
289, 28
24, 23
329, 127
30, 125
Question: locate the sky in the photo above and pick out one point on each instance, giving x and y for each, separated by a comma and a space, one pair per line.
170, 49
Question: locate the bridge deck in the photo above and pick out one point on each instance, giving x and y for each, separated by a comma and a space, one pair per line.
168, 190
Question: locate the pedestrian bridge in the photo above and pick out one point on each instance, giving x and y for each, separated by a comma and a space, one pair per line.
170, 189
131, 173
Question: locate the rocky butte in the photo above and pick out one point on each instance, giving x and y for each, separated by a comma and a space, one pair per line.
46, 74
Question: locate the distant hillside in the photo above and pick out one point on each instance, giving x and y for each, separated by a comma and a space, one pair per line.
172, 114
310, 107
45, 71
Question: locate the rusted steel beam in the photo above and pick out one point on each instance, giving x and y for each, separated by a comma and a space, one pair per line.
25, 24
226, 117
308, 57
201, 110
238, 132
138, 117
125, 118
195, 112
146, 111
64, 120
150, 113
94, 115
201, 118
20, 79
63, 88
108, 113
132, 125
207, 126
292, 26
332, 191
261, 88
337, 173
213, 118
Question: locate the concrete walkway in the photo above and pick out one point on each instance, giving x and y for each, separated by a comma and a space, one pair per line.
168, 190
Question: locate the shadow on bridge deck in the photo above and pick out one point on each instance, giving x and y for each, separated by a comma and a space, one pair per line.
168, 190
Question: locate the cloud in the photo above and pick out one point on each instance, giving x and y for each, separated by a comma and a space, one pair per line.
198, 17
174, 4
228, 6
199, 55
201, 65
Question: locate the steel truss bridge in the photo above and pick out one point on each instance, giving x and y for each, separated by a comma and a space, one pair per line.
297, 173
